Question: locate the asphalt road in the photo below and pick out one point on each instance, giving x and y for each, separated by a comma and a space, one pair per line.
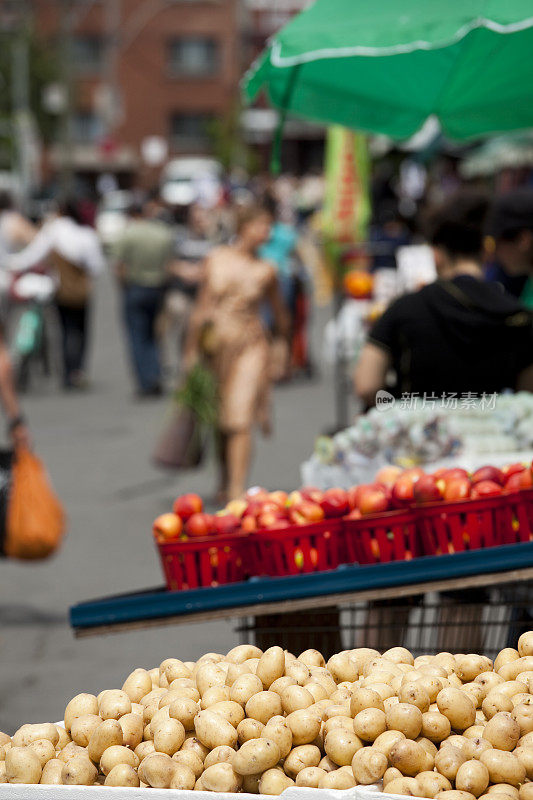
96, 447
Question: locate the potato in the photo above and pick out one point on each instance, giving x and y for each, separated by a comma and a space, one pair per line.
526, 791
249, 729
525, 756
209, 675
391, 774
79, 706
157, 770
278, 731
368, 765
79, 771
457, 707
213, 730
502, 731
510, 670
184, 709
231, 711
213, 695
194, 744
69, 751
255, 756
431, 783
304, 726
407, 786
132, 730
369, 724
264, 705
4, 738
117, 754
310, 777
408, 756
271, 666
183, 778
341, 746
496, 701
316, 690
51, 773
114, 704
414, 694
219, 754
143, 749
525, 644
137, 685
82, 728
503, 767
336, 779
473, 777
245, 687
455, 794
523, 714
405, 718
31, 733
22, 766
241, 653
221, 778
435, 726
274, 782
295, 697
505, 789
448, 760
469, 667
312, 658
104, 736
307, 755
43, 749
122, 775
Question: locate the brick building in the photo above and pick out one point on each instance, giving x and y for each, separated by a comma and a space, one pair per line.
141, 69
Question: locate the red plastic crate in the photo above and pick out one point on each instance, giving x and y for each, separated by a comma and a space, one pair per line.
298, 549
211, 561
474, 524
378, 538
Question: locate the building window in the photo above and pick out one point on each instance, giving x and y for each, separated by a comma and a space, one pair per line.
193, 56
87, 127
88, 54
190, 130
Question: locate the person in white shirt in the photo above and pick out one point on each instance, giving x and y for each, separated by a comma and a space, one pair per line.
74, 253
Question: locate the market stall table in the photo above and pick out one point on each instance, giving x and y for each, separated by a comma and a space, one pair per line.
475, 569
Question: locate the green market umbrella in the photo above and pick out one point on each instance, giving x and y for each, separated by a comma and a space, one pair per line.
386, 66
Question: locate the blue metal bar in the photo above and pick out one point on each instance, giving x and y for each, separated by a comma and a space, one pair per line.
157, 604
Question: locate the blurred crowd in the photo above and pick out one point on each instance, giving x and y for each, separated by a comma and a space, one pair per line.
225, 278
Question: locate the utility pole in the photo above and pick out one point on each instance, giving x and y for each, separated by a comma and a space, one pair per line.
67, 147
20, 89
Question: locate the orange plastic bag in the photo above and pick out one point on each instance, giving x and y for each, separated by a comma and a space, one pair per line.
35, 521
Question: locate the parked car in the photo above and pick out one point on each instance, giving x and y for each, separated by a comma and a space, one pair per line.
187, 180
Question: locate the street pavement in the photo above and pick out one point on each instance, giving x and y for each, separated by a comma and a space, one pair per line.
97, 448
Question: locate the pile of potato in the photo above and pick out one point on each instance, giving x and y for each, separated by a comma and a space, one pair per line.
451, 727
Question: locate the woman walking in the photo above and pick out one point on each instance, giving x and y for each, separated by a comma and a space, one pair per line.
226, 331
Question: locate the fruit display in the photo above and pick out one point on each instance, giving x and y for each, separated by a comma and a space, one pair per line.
451, 727
422, 431
393, 488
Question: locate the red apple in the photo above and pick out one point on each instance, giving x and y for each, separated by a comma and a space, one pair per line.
452, 474
373, 501
294, 498
186, 505
257, 494
167, 527
457, 489
199, 525
249, 523
335, 503
488, 473
313, 494
511, 469
253, 509
270, 519
354, 514
513, 482
226, 523
427, 490
388, 475
403, 489
236, 507
279, 498
305, 513
485, 489
526, 479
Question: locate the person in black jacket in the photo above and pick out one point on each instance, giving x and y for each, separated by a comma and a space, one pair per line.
457, 335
